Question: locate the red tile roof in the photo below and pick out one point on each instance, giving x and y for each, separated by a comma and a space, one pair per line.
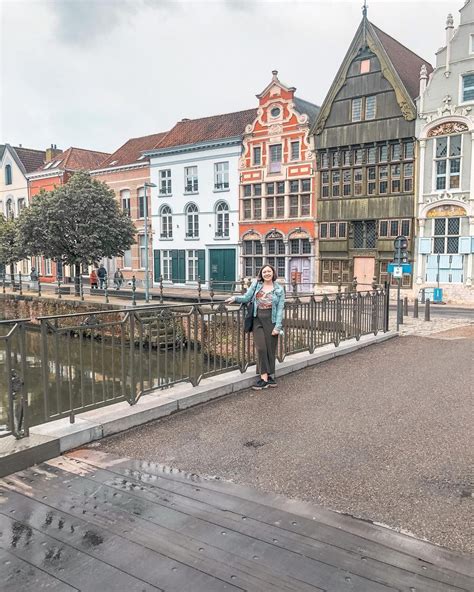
76, 159
192, 131
131, 151
30, 159
406, 63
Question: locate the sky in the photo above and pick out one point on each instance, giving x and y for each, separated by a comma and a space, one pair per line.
94, 73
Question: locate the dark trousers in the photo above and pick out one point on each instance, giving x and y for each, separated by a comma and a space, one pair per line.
265, 342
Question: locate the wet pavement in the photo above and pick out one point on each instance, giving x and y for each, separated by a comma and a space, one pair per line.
95, 522
383, 434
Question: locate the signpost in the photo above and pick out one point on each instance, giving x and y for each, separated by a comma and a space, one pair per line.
397, 268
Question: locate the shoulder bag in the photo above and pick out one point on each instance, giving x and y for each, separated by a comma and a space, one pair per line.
248, 321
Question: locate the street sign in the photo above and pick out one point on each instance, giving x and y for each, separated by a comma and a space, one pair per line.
397, 271
406, 267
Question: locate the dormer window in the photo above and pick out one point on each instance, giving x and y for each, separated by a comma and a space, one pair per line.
275, 112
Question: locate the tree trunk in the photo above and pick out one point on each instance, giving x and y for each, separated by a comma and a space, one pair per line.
77, 279
12, 275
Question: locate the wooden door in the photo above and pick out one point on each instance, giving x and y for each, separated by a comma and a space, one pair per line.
364, 271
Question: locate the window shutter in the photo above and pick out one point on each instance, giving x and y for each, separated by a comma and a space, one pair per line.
466, 243
181, 266
174, 266
202, 264
424, 246
156, 265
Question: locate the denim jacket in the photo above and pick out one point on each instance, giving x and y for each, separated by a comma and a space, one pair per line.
278, 301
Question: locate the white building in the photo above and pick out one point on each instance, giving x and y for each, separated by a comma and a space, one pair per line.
445, 130
195, 206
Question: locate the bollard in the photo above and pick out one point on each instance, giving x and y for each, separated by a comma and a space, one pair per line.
199, 289
405, 306
106, 292
3, 283
427, 310
81, 288
134, 287
20, 283
59, 287
39, 286
161, 289
422, 295
415, 309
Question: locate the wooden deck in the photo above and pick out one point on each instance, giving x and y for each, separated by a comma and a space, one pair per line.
93, 522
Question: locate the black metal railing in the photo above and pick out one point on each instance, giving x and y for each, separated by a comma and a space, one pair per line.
62, 365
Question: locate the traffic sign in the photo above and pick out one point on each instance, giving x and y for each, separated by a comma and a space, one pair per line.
406, 267
397, 271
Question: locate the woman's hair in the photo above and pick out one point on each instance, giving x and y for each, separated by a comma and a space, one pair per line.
260, 277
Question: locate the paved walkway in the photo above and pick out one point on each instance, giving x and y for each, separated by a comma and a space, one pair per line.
91, 522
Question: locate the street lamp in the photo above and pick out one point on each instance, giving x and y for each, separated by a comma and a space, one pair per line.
147, 281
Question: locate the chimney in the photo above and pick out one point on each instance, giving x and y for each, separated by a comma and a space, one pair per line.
449, 36
52, 152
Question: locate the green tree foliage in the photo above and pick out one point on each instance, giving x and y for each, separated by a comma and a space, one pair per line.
78, 223
12, 249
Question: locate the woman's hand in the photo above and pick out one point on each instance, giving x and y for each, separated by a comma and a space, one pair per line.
230, 300
275, 332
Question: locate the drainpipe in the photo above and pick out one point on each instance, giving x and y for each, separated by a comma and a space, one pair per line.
449, 36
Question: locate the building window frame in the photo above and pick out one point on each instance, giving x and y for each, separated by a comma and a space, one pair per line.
8, 174
275, 158
257, 155
451, 163
165, 182
469, 88
191, 182
192, 221
192, 265
222, 220
221, 176
166, 222
125, 201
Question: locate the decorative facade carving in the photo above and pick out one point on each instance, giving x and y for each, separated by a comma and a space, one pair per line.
446, 211
448, 127
275, 129
462, 197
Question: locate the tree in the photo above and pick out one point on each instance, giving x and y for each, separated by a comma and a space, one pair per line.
77, 223
11, 248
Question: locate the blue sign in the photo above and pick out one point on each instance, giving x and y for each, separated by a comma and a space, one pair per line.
406, 267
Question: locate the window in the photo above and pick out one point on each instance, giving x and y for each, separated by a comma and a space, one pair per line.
295, 150
364, 66
396, 152
446, 235
253, 260
257, 209
359, 156
371, 180
257, 189
247, 209
448, 162
365, 234
347, 182
141, 202
370, 107
356, 110
346, 158
166, 220
383, 179
408, 176
165, 182
257, 156
9, 209
332, 230
125, 199
395, 173
333, 270
300, 246
247, 190
222, 220
372, 155
192, 221
358, 181
468, 88
471, 44
280, 187
270, 188
190, 179
335, 181
8, 175
275, 158
408, 148
142, 250
127, 258
21, 204
221, 176
193, 265
47, 266
325, 184
294, 186
166, 265
275, 112
324, 160
383, 153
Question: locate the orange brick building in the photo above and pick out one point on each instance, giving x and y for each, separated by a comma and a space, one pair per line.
277, 187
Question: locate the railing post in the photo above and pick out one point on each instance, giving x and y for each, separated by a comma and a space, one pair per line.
427, 310
45, 367
374, 282
242, 286
59, 286
20, 283
354, 285
161, 289
134, 288
415, 308
386, 323
339, 284
39, 286
338, 332
294, 287
199, 289
211, 291
81, 288
405, 306
132, 400
3, 284
106, 291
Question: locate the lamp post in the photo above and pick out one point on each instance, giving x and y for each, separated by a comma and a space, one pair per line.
147, 281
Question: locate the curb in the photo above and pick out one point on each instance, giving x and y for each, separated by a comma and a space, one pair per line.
51, 439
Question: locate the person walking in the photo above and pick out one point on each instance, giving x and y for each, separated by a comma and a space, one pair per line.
268, 300
93, 279
102, 275
118, 278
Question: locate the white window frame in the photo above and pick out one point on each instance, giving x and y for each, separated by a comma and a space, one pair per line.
127, 259
274, 166
141, 251
47, 266
445, 236
192, 265
221, 176
10, 208
166, 264
448, 159
165, 187
191, 183
298, 150
471, 43
254, 162
356, 101
192, 221
461, 88
166, 222
222, 220
125, 201
140, 203
366, 118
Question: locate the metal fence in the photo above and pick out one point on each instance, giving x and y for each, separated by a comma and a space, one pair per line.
62, 365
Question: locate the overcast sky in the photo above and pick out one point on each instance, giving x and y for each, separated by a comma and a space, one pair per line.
93, 73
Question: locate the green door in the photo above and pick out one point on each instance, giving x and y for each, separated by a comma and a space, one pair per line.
222, 268
178, 266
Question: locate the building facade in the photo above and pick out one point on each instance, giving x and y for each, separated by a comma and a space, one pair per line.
55, 171
277, 187
365, 140
445, 129
194, 208
126, 171
15, 164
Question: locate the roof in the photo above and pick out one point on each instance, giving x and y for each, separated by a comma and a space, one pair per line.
30, 159
75, 159
193, 131
311, 110
131, 151
406, 63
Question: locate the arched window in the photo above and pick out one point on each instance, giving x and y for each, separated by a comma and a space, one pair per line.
252, 251
275, 249
192, 221
8, 175
222, 220
166, 216
9, 210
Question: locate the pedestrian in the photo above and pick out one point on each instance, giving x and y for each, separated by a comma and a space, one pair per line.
118, 279
102, 275
34, 275
268, 301
93, 279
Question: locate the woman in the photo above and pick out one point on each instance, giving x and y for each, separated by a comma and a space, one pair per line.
268, 302
93, 279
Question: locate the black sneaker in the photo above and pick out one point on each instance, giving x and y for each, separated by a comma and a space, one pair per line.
272, 382
260, 384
